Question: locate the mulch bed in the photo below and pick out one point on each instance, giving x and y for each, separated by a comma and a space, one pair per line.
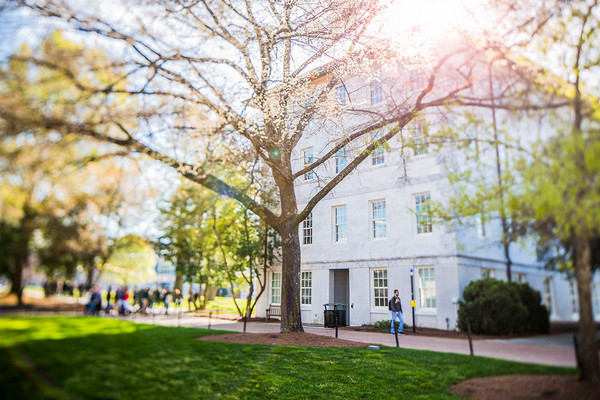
527, 387
283, 339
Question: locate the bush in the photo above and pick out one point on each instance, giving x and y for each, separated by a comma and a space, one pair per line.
538, 318
496, 307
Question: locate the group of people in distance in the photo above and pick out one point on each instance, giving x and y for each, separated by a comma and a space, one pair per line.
143, 300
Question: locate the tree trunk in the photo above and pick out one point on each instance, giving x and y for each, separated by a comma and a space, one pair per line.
178, 281
17, 280
89, 282
506, 245
590, 366
291, 320
249, 307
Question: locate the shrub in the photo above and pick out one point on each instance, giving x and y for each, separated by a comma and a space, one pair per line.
538, 318
496, 307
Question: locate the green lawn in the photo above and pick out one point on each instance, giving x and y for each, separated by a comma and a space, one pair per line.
225, 305
95, 358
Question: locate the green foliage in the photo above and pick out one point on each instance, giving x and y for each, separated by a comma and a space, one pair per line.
214, 240
51, 195
538, 318
495, 307
132, 260
96, 358
561, 189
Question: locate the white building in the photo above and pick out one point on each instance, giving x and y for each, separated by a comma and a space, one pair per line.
365, 238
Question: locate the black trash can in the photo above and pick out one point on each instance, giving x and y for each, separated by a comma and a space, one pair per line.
333, 310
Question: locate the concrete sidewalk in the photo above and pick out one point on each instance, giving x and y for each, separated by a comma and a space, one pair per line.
531, 351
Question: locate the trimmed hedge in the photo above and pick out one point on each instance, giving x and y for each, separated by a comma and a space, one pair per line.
496, 307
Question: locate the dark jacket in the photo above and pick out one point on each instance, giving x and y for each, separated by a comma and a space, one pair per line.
395, 305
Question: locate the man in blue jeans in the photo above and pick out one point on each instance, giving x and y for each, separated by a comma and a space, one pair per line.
395, 307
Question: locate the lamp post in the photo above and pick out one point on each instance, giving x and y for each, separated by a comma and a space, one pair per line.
412, 299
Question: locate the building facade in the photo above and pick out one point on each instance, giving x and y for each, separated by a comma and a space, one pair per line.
373, 232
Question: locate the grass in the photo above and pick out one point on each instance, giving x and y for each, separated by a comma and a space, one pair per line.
225, 305
95, 358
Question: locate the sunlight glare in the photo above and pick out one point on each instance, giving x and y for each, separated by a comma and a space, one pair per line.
433, 18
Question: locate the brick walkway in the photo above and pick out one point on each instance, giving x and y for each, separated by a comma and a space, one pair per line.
538, 352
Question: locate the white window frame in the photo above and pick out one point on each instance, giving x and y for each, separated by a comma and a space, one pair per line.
573, 298
487, 273
417, 79
308, 103
376, 88
519, 277
427, 288
480, 226
378, 154
419, 137
341, 94
307, 229
379, 288
338, 223
340, 159
595, 288
548, 294
306, 288
378, 214
425, 226
275, 287
308, 159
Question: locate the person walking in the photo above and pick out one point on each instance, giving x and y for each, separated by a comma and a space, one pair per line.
395, 306
108, 294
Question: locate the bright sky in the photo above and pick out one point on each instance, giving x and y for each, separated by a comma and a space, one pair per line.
434, 17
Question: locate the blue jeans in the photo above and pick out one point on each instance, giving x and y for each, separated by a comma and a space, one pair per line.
400, 319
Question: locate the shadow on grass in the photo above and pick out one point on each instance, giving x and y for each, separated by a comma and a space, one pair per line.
111, 359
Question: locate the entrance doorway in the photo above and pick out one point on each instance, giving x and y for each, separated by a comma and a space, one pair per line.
341, 292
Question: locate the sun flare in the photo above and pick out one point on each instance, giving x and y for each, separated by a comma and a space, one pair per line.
434, 18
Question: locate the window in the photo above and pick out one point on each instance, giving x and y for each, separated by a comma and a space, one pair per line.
419, 137
307, 229
548, 294
422, 208
487, 273
417, 80
276, 288
306, 288
480, 226
340, 223
573, 296
308, 159
380, 287
378, 219
427, 287
342, 95
596, 298
376, 88
518, 277
340, 160
378, 155
308, 103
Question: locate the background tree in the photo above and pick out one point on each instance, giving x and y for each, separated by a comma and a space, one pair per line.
65, 191
481, 178
131, 261
560, 178
212, 240
187, 242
